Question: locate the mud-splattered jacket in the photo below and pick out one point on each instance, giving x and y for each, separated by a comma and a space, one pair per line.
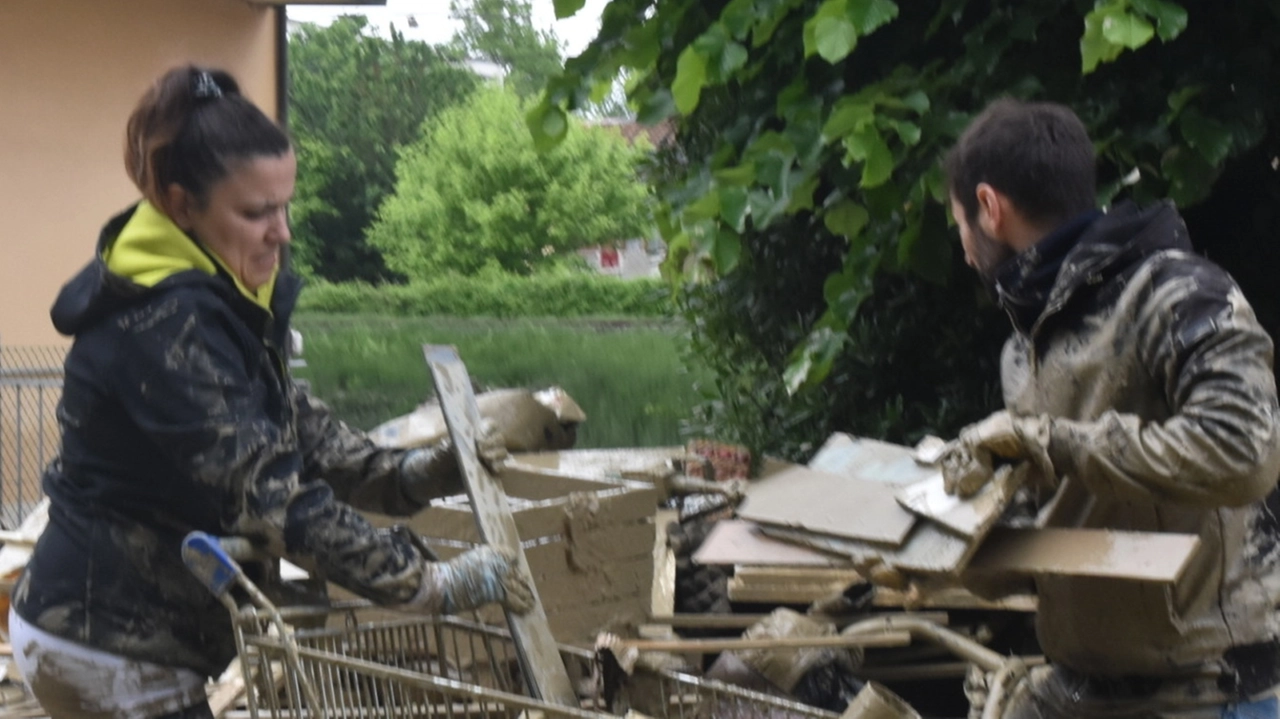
178, 414
1158, 379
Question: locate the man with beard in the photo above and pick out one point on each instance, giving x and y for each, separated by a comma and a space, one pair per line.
1138, 385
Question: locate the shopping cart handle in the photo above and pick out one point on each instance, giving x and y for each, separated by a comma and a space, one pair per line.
205, 557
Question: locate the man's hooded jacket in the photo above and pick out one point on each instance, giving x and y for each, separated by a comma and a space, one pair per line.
178, 414
1159, 384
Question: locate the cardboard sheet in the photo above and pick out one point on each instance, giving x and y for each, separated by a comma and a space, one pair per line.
830, 504
972, 517
734, 541
871, 460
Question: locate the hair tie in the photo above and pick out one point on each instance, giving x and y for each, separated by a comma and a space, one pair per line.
206, 88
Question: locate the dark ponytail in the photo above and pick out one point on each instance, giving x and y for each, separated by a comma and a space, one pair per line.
189, 128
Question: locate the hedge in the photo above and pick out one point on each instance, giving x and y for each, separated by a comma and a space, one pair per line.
559, 295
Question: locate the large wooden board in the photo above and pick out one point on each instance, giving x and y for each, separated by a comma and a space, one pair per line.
871, 460
830, 504
738, 542
535, 646
1141, 556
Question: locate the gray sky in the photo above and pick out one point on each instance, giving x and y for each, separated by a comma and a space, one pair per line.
435, 27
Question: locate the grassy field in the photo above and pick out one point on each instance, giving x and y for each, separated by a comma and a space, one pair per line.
626, 374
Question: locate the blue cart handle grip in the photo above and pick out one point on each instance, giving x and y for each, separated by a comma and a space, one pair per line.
204, 556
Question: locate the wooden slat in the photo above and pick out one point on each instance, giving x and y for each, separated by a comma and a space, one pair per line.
535, 646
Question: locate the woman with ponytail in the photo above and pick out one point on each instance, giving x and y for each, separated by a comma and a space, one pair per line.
178, 414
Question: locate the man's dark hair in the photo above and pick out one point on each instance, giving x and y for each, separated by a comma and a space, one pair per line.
1037, 153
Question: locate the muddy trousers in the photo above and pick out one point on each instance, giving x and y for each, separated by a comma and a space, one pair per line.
73, 681
1051, 693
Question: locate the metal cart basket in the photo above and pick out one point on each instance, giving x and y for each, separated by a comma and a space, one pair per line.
421, 666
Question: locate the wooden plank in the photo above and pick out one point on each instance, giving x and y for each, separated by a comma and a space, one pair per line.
535, 647
775, 593
830, 504
713, 646
738, 542
1141, 556
662, 594
972, 517
799, 575
928, 549
742, 621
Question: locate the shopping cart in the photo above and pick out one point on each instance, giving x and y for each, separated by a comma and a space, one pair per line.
421, 666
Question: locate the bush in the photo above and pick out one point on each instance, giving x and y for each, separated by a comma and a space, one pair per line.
494, 295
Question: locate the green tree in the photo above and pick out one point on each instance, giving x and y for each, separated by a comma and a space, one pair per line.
473, 192
804, 203
502, 31
354, 100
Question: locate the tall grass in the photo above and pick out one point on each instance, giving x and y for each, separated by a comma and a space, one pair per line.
627, 375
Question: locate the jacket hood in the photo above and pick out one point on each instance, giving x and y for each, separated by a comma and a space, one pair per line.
1125, 235
141, 252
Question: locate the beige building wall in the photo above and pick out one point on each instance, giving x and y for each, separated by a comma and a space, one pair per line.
70, 72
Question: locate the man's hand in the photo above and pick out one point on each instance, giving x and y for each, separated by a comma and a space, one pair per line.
491, 445
968, 463
473, 579
428, 473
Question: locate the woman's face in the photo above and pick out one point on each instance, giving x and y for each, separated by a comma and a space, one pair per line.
244, 220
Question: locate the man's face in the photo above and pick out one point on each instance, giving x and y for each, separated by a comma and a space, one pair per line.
982, 252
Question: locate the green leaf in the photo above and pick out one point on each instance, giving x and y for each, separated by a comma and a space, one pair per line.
742, 175
732, 57
656, 107
847, 116
830, 11
1209, 137
868, 15
916, 100
733, 206
567, 8
846, 218
908, 132
1179, 98
1127, 30
727, 251
704, 208
738, 17
1190, 176
548, 124
1171, 18
802, 195
711, 42
868, 147
691, 75
811, 362
765, 207
1095, 48
834, 39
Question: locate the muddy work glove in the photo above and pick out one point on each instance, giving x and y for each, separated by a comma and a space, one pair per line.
473, 579
429, 473
969, 462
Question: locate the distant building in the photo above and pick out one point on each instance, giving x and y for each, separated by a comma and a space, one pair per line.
635, 257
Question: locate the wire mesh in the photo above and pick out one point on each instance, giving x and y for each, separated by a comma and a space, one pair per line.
30, 387
449, 667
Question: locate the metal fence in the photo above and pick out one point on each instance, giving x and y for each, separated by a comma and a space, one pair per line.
30, 386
